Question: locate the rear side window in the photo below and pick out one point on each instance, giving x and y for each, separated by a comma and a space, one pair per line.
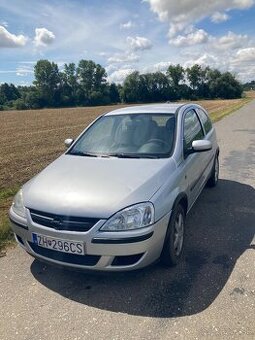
205, 120
192, 129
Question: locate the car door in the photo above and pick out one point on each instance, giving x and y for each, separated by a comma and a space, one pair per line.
193, 162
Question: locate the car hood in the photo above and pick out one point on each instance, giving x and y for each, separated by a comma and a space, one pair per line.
94, 187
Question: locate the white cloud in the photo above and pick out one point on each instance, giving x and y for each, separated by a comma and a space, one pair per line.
103, 54
119, 76
110, 68
23, 71
245, 55
225, 43
139, 43
4, 23
240, 63
196, 37
129, 57
25, 68
128, 25
180, 14
162, 66
243, 64
218, 17
8, 39
206, 60
231, 41
43, 37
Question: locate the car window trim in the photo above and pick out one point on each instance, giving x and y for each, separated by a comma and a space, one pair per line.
192, 108
199, 108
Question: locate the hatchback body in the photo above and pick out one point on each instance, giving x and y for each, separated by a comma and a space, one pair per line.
117, 199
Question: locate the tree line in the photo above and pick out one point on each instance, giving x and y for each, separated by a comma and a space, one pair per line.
249, 86
86, 84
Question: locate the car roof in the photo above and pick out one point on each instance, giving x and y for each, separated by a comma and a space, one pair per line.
152, 108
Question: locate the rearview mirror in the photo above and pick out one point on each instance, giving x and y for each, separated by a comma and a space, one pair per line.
68, 142
201, 145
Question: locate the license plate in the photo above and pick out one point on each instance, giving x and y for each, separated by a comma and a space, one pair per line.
70, 247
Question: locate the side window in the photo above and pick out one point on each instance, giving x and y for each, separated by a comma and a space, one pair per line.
192, 129
205, 120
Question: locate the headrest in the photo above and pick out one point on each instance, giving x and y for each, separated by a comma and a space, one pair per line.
124, 132
170, 125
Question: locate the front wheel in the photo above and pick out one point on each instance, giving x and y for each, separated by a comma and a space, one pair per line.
213, 180
174, 240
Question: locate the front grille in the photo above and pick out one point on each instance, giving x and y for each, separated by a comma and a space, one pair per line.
85, 260
62, 222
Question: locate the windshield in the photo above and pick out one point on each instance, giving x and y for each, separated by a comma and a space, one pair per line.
128, 135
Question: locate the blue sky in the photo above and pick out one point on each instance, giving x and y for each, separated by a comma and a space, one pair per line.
124, 36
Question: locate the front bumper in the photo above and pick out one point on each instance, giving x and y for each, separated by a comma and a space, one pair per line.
105, 251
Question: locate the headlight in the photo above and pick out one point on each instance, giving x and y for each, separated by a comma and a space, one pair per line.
18, 206
134, 217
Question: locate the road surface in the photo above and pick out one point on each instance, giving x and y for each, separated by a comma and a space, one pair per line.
210, 295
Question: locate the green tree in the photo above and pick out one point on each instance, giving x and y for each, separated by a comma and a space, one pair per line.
212, 76
92, 80
227, 87
48, 82
194, 75
19, 104
175, 74
114, 93
197, 77
155, 87
250, 86
69, 85
8, 93
150, 87
131, 90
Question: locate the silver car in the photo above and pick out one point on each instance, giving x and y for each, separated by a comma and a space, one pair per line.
117, 199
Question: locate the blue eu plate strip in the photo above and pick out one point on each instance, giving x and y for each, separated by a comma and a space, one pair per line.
34, 236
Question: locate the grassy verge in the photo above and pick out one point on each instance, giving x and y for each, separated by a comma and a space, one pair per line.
6, 235
218, 115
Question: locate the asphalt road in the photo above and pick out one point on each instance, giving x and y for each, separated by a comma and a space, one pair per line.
210, 295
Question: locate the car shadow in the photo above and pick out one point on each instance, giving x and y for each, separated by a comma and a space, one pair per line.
220, 227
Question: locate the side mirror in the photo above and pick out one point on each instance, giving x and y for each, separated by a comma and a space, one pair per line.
68, 142
201, 145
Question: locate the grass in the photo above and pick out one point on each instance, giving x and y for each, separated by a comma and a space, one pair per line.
30, 140
218, 115
6, 236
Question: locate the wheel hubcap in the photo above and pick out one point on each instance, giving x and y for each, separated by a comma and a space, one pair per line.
178, 234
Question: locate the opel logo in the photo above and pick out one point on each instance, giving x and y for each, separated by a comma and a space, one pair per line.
57, 223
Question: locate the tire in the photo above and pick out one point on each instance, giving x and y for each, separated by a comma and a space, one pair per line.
174, 240
213, 180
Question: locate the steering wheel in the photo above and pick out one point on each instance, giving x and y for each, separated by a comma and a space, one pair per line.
156, 140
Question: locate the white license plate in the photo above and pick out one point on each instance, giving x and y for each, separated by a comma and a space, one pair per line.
70, 247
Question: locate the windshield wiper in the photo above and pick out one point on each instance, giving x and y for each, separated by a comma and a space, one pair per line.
117, 155
80, 153
123, 155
